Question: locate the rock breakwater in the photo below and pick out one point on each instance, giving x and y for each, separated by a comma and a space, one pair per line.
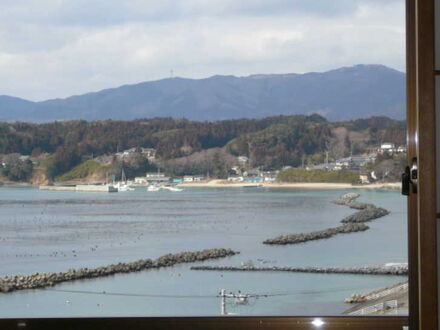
346, 199
352, 223
41, 280
377, 294
366, 270
368, 214
304, 237
350, 201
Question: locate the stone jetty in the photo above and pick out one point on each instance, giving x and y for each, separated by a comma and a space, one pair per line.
366, 270
350, 201
304, 237
368, 214
352, 223
346, 199
41, 280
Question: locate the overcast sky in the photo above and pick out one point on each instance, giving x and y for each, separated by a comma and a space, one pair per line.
57, 48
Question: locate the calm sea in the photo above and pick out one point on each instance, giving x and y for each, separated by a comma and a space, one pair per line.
44, 231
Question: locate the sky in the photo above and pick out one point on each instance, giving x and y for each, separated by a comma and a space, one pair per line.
57, 48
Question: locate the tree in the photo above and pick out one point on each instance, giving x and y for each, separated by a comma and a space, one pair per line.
15, 168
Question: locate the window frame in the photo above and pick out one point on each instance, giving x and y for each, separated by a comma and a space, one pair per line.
422, 218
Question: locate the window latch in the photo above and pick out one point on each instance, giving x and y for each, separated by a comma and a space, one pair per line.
410, 178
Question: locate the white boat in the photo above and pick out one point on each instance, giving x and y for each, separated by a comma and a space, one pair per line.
123, 185
153, 188
170, 188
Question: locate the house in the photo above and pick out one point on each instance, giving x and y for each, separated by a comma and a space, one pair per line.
155, 175
236, 170
141, 180
364, 178
188, 178
193, 178
387, 147
252, 173
199, 178
243, 160
270, 176
154, 178
148, 153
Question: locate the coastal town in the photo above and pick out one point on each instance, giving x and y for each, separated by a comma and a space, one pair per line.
361, 167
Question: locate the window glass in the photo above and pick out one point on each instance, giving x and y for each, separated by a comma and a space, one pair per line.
202, 158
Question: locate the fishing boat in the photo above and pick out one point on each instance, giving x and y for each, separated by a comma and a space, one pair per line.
123, 185
153, 188
171, 188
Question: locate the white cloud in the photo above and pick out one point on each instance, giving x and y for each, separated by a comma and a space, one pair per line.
60, 51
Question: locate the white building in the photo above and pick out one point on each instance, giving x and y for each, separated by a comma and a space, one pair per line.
364, 178
193, 178
243, 160
140, 180
148, 153
157, 178
387, 147
188, 178
235, 178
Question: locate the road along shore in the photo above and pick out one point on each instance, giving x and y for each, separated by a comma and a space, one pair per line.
394, 186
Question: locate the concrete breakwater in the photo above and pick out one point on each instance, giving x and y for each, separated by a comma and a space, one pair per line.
304, 237
81, 187
366, 270
41, 280
353, 223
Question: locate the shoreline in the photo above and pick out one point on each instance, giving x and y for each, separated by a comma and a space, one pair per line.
395, 186
389, 186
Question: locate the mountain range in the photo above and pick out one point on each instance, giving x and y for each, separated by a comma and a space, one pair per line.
347, 93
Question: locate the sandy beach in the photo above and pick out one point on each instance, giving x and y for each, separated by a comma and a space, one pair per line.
302, 185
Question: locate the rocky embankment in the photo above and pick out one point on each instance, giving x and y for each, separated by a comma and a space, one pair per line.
353, 223
300, 238
366, 270
41, 280
377, 294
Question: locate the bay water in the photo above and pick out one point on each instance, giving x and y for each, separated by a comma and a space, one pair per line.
48, 231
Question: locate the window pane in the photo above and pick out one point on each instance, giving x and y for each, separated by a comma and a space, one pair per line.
219, 158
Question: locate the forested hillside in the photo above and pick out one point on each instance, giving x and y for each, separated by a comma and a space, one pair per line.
269, 143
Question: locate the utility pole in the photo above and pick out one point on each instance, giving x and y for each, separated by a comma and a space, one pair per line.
251, 163
223, 302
